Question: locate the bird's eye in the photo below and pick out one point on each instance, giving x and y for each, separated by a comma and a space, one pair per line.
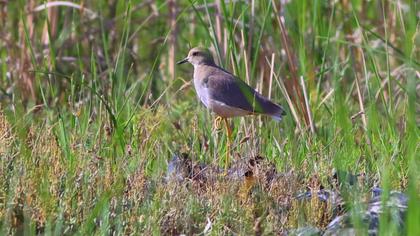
195, 53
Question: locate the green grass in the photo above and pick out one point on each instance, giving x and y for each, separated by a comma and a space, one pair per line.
89, 121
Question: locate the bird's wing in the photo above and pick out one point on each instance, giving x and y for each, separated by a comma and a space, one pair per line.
226, 88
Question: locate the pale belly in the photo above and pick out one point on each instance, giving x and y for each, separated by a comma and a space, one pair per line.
224, 110
218, 107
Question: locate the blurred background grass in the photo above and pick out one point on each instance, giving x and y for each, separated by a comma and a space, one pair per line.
93, 106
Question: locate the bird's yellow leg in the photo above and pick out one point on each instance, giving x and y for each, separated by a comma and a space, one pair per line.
228, 144
217, 121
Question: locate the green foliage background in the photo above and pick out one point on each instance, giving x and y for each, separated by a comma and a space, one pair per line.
92, 109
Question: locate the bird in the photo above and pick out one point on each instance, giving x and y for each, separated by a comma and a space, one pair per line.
225, 94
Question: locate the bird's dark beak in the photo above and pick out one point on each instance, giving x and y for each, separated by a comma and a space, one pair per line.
182, 61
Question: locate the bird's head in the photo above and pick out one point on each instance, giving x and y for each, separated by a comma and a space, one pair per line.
198, 56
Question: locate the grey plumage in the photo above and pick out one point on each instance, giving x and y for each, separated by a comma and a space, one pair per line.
225, 94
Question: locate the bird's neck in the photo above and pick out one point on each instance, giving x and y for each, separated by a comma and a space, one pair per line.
205, 64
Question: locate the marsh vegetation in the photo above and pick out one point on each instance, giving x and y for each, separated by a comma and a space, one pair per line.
101, 133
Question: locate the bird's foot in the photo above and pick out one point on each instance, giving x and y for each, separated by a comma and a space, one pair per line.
217, 123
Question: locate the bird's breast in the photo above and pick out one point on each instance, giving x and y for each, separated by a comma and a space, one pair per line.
201, 90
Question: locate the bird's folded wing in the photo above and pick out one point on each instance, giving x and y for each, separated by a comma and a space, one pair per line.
232, 91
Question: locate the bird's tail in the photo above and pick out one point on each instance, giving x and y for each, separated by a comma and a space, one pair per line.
270, 108
278, 114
